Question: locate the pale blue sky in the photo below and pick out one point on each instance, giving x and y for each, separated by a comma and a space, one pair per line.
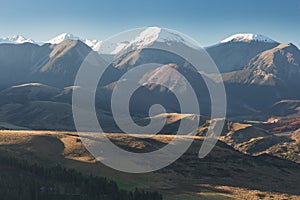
206, 21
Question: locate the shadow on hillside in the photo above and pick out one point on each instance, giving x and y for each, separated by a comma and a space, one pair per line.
224, 166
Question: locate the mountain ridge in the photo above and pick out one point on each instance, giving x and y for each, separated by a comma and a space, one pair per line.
147, 34
248, 37
56, 65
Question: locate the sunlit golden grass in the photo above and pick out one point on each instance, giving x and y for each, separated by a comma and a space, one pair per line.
66, 148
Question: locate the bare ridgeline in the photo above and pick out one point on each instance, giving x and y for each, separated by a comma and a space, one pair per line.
257, 155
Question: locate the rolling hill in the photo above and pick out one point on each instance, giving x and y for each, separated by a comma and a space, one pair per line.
224, 174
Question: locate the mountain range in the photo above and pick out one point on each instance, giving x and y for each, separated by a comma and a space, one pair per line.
261, 78
144, 38
257, 71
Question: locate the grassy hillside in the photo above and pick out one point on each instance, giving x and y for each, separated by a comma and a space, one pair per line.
224, 174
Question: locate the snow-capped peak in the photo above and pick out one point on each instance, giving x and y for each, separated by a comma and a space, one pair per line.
156, 34
62, 37
145, 38
94, 44
248, 37
15, 39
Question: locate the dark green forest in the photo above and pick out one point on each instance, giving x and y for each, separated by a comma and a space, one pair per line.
20, 179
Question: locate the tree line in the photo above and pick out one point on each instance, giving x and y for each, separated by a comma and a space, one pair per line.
20, 179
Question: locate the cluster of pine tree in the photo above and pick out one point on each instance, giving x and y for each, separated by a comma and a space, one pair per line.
22, 180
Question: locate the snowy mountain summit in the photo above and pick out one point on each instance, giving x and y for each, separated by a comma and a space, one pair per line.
94, 44
15, 39
145, 38
62, 37
248, 37
156, 34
